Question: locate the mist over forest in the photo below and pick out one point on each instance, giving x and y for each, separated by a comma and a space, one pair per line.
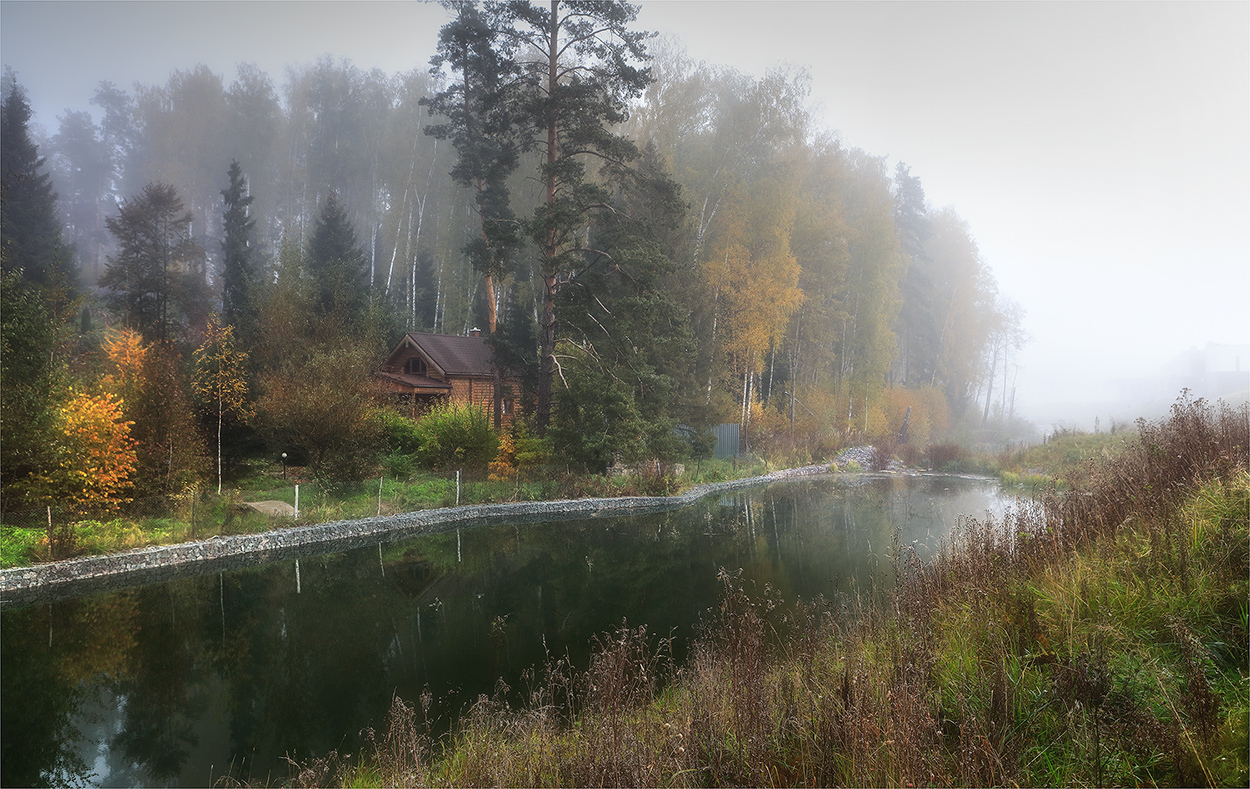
687, 245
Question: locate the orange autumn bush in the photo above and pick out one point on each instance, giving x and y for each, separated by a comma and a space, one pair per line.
95, 455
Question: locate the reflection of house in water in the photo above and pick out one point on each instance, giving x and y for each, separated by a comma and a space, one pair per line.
427, 369
1216, 371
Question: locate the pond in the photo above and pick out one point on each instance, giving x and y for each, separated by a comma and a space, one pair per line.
184, 682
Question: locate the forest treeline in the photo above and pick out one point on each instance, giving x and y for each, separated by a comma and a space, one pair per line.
214, 267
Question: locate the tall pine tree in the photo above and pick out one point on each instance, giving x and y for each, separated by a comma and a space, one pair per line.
579, 57
484, 117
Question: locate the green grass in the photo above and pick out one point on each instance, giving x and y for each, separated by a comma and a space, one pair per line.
25, 543
1097, 669
1061, 459
1097, 639
1156, 626
18, 545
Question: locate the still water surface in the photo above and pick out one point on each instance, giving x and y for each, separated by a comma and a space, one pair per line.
183, 682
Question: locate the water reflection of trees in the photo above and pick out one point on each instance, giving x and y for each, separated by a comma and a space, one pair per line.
228, 673
44, 685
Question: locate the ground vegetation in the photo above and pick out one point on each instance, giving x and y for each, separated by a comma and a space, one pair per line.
1097, 637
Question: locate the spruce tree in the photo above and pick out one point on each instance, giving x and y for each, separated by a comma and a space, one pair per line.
34, 294
424, 292
336, 264
628, 365
156, 278
30, 228
237, 272
28, 390
917, 333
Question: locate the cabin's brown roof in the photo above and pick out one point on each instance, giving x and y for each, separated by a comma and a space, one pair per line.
416, 381
456, 355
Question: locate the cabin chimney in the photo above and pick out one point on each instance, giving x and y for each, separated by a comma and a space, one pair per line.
475, 332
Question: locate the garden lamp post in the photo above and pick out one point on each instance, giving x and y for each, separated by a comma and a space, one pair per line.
284, 465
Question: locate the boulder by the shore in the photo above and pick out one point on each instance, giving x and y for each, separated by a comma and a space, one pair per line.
276, 508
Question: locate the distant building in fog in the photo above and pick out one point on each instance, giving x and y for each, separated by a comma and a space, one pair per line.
1216, 371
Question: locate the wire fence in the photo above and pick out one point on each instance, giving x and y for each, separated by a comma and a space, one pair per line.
201, 514
56, 532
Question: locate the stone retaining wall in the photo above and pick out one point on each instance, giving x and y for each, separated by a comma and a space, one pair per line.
57, 580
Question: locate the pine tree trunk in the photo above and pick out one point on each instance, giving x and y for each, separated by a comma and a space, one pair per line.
547, 348
546, 368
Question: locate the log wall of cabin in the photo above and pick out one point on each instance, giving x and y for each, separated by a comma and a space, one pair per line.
475, 391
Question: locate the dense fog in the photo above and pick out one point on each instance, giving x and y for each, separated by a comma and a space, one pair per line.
1085, 163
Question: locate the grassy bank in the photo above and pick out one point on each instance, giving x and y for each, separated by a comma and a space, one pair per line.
1097, 637
24, 537
1063, 459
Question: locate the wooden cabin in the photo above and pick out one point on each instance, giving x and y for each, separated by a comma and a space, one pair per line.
424, 370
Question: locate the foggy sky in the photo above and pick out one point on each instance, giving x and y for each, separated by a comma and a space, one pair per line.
1100, 152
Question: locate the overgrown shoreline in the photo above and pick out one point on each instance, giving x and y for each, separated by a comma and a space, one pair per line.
1093, 638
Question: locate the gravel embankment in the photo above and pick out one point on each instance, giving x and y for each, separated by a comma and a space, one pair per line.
57, 580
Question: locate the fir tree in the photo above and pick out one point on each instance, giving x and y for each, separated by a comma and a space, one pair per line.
157, 275
336, 264
237, 272
30, 228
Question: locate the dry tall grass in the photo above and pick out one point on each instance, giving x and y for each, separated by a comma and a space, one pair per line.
1096, 637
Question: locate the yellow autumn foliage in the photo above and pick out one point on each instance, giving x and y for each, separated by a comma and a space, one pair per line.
127, 354
930, 416
753, 274
95, 455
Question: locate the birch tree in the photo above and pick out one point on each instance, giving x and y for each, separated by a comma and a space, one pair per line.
754, 278
221, 380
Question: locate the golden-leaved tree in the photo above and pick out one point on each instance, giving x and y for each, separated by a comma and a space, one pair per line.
221, 379
146, 378
95, 455
753, 278
127, 353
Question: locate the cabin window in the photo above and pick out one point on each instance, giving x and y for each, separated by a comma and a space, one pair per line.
415, 366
